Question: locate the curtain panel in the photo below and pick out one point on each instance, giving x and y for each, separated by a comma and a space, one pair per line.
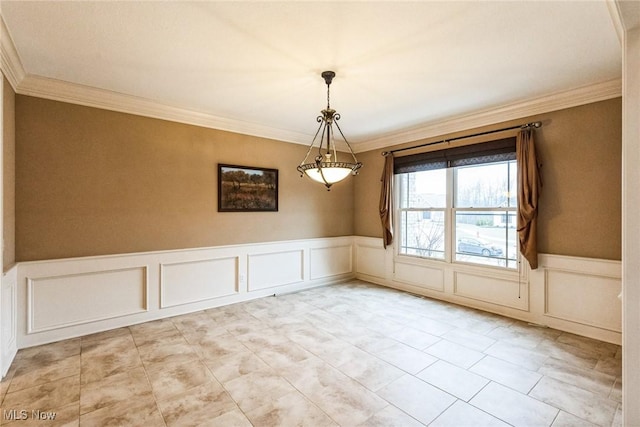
521, 148
386, 201
529, 186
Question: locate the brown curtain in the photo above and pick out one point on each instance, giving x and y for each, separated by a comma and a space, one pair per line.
386, 201
529, 185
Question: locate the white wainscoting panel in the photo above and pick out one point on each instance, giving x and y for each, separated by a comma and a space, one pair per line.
508, 293
330, 261
420, 276
580, 295
192, 281
60, 299
370, 259
8, 313
67, 300
583, 298
268, 270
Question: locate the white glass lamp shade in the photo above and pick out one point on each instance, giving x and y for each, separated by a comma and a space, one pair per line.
332, 174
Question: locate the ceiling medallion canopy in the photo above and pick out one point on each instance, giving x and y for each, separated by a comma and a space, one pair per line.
327, 169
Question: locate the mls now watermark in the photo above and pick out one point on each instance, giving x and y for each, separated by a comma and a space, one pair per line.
23, 415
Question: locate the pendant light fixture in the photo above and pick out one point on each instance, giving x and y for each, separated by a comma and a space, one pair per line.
326, 168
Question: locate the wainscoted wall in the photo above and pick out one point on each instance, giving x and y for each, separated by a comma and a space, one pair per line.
578, 295
581, 293
59, 299
45, 301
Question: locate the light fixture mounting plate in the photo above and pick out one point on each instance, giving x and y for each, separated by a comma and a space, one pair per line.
328, 76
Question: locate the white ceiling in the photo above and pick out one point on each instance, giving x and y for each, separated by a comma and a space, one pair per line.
400, 65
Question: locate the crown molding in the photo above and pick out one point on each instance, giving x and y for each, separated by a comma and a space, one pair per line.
616, 19
58, 90
9, 58
517, 110
628, 12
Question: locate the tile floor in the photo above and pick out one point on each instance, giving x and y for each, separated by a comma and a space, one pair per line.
352, 354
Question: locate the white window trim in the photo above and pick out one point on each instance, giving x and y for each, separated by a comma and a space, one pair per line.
520, 273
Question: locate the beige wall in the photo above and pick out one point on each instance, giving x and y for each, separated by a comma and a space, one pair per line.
92, 182
580, 208
9, 176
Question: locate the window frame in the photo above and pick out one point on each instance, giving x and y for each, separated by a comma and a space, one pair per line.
450, 230
399, 210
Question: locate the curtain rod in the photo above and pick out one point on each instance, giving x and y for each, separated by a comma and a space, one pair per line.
524, 126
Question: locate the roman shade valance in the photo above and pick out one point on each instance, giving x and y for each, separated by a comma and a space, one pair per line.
488, 152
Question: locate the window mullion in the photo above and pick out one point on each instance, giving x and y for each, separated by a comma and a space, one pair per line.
448, 225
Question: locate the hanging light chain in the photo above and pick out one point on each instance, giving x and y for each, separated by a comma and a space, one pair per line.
328, 89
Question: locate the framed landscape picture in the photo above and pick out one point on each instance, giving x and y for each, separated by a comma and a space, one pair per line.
247, 189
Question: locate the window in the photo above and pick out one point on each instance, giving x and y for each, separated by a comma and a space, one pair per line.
423, 203
484, 214
459, 208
